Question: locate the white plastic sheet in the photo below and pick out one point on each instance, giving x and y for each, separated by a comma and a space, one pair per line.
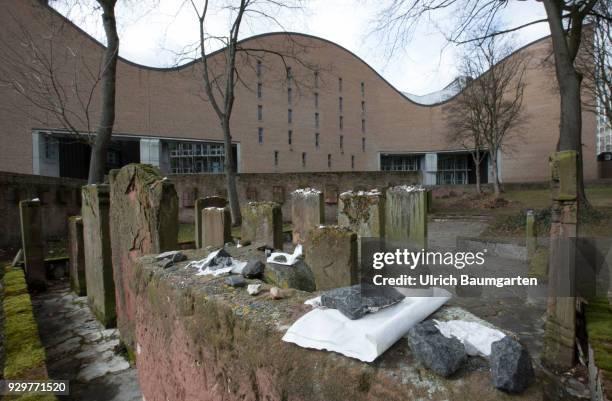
290, 258
476, 337
203, 266
366, 338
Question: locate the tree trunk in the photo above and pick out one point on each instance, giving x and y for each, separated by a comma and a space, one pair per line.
97, 164
230, 175
496, 186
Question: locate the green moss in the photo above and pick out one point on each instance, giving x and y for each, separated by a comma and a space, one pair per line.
599, 331
538, 265
25, 356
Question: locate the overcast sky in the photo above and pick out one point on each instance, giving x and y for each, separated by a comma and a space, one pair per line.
154, 37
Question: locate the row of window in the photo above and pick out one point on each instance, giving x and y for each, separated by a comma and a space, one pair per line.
316, 116
260, 139
329, 159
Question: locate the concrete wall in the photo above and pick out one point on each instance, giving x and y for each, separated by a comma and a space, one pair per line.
278, 187
60, 198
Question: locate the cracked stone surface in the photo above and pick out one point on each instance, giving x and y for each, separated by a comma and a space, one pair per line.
81, 350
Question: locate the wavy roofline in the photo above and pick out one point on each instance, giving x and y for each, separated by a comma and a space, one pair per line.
290, 33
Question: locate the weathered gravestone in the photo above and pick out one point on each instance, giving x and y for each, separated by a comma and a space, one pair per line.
364, 213
262, 223
530, 234
307, 212
216, 226
144, 220
406, 216
95, 208
32, 243
331, 254
77, 255
201, 204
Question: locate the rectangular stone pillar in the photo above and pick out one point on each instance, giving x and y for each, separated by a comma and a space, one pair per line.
143, 220
77, 256
95, 208
364, 213
216, 227
560, 329
307, 212
32, 243
530, 234
406, 216
331, 254
262, 223
201, 204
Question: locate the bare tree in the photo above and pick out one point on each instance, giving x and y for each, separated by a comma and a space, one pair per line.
221, 77
489, 109
566, 19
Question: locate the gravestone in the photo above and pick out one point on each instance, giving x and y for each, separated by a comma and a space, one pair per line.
32, 243
262, 223
143, 220
530, 234
406, 216
200, 204
307, 212
331, 254
364, 213
95, 207
216, 226
77, 255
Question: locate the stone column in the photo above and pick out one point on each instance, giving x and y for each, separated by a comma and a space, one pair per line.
262, 223
530, 234
201, 204
331, 254
560, 330
307, 212
216, 227
98, 261
406, 216
32, 243
143, 220
77, 256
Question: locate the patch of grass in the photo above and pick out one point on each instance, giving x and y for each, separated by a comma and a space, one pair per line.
599, 330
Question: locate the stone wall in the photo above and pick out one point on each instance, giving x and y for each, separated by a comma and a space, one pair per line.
60, 198
278, 187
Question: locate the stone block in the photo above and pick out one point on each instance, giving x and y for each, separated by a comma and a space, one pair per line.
32, 243
143, 220
216, 227
200, 204
362, 212
331, 254
331, 194
77, 255
299, 276
278, 194
307, 212
262, 223
563, 170
406, 216
95, 208
530, 234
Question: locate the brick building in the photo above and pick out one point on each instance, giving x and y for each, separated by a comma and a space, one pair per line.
321, 108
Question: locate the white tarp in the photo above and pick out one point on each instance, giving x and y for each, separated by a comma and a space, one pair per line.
203, 266
476, 338
290, 258
365, 338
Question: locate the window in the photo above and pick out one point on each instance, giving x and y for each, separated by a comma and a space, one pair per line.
362, 89
362, 126
289, 136
317, 120
289, 95
342, 142
260, 135
329, 160
363, 106
340, 104
452, 169
339, 84
363, 144
258, 68
316, 79
341, 122
352, 162
289, 75
316, 100
51, 147
259, 112
259, 87
303, 159
399, 162
276, 157
317, 140
196, 157
289, 116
